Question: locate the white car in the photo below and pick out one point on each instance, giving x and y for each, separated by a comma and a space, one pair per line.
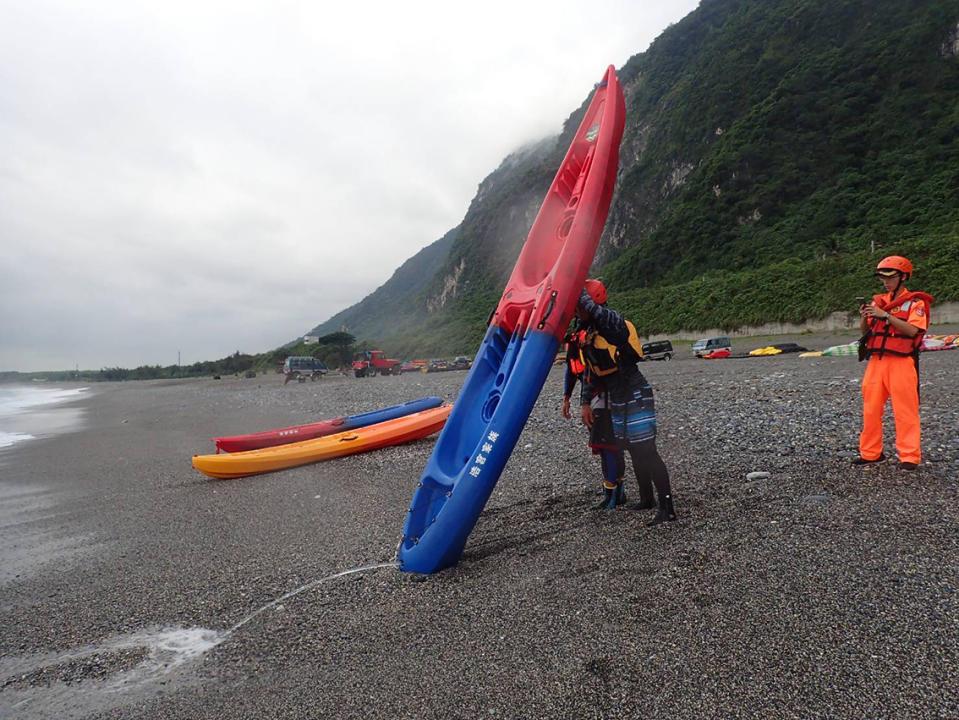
707, 345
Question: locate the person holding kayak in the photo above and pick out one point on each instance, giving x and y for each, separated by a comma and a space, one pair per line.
610, 352
892, 325
612, 459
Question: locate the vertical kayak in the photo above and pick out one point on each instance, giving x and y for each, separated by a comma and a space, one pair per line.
520, 344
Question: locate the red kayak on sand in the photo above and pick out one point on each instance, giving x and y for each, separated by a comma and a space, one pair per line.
717, 354
296, 433
372, 437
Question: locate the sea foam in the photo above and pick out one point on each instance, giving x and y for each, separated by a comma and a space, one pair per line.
27, 411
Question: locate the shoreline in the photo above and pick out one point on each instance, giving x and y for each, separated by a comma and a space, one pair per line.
825, 336
810, 593
30, 413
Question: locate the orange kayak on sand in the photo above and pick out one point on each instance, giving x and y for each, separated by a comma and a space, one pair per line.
392, 432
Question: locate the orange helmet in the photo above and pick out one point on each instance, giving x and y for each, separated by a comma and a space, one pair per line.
893, 264
597, 291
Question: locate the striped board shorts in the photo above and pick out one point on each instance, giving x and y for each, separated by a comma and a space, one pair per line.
634, 418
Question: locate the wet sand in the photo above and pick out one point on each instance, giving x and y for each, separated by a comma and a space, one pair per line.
134, 587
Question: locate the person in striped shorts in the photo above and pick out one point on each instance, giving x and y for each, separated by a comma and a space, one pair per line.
610, 351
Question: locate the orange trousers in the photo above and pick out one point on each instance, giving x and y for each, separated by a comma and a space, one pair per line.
890, 376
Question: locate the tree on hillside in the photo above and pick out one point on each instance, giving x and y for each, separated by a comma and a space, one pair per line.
337, 338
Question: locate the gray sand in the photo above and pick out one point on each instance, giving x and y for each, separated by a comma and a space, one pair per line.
822, 591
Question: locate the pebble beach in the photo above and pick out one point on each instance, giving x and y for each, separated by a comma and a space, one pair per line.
793, 585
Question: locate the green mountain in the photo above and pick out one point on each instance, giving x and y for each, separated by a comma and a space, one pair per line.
396, 306
774, 151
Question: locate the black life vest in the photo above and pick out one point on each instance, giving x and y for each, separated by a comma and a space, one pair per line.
602, 358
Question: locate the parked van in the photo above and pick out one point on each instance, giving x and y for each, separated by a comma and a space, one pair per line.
658, 350
707, 345
301, 367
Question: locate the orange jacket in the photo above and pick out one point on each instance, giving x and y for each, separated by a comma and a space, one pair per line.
882, 337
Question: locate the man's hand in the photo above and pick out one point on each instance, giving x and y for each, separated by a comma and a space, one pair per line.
871, 311
583, 300
587, 416
566, 413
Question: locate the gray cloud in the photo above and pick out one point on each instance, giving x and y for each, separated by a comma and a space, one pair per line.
211, 177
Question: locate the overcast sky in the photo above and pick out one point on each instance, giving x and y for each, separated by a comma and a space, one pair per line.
188, 179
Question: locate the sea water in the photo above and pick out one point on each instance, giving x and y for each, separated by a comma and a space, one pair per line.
31, 411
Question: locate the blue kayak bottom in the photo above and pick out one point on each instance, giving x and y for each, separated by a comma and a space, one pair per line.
471, 452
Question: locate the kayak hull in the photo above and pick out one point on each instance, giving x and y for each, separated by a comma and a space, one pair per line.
296, 433
474, 447
520, 344
371, 437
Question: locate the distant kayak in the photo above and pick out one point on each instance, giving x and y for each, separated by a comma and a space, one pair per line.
282, 436
371, 437
720, 354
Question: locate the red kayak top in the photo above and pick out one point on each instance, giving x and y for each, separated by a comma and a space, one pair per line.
269, 438
545, 284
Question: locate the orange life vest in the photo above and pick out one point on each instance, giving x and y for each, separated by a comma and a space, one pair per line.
881, 337
573, 344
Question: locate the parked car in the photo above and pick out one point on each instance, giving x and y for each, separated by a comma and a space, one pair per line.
301, 367
461, 362
708, 345
437, 365
658, 350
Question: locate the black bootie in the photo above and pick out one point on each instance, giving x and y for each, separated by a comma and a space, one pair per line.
666, 512
620, 492
646, 502
646, 499
608, 502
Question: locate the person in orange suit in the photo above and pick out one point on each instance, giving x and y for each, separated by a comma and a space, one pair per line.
892, 325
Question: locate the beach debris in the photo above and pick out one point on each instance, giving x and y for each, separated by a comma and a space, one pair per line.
757, 475
847, 350
940, 342
768, 350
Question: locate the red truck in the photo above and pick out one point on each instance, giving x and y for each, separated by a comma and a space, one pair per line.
375, 361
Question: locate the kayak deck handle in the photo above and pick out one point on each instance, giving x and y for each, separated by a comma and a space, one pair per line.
549, 309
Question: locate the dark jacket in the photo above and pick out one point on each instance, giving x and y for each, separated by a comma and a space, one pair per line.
612, 326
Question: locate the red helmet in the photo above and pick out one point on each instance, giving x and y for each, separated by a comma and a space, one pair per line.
894, 263
597, 291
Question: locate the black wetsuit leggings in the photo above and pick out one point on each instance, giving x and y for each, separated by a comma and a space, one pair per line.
650, 470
